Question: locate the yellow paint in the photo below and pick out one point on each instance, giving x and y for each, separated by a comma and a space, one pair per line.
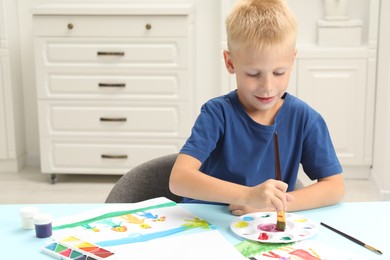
132, 219
70, 239
84, 244
145, 226
241, 224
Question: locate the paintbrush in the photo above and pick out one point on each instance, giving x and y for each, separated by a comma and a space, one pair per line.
281, 217
373, 249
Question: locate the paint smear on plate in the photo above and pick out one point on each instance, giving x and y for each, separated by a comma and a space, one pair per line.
248, 218
241, 224
268, 227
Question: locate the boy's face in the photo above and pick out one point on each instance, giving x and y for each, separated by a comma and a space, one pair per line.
262, 78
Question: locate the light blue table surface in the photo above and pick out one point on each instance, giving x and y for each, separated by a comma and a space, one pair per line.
366, 221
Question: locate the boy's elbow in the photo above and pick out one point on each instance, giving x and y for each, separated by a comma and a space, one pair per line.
333, 190
341, 193
338, 189
173, 186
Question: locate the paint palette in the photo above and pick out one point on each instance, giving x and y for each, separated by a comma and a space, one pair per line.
73, 248
261, 227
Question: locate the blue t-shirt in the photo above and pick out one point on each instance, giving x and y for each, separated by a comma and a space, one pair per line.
235, 148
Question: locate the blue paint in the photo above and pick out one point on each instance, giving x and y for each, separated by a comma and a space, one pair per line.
137, 237
52, 246
148, 215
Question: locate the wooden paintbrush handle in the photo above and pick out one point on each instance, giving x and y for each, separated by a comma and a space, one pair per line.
278, 174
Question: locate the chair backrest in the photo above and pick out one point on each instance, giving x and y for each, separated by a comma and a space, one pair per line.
145, 181
149, 180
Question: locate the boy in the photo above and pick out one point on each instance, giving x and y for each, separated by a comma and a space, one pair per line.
229, 157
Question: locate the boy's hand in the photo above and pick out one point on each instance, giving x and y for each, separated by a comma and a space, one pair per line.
238, 210
268, 196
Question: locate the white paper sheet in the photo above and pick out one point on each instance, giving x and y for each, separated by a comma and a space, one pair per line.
196, 246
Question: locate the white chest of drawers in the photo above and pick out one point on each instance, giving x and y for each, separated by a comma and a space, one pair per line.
113, 84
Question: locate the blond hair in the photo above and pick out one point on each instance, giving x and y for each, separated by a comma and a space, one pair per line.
260, 24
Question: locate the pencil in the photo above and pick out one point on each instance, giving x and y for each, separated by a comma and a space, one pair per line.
373, 249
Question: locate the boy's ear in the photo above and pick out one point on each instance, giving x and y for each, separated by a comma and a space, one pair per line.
294, 57
228, 62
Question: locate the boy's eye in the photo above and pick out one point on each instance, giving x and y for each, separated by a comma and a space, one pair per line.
253, 75
279, 73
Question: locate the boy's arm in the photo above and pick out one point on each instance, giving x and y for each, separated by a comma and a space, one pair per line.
186, 180
327, 191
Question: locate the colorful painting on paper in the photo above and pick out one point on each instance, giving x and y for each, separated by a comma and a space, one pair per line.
116, 225
303, 250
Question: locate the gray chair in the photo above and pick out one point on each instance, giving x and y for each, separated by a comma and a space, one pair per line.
145, 181
149, 180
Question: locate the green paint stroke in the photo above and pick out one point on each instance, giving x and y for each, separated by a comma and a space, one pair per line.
196, 223
250, 248
112, 215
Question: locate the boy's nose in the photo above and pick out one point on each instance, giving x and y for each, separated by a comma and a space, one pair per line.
266, 82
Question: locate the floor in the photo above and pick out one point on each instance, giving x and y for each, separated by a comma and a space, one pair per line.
30, 186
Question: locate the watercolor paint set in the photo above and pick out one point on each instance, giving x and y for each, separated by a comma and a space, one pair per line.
73, 248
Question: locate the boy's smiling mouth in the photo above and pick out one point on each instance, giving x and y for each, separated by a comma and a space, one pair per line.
265, 99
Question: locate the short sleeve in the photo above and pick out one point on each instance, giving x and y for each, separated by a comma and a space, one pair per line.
319, 157
206, 132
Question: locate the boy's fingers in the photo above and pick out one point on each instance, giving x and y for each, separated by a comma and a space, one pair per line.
289, 197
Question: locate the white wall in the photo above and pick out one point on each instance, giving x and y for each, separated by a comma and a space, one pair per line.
381, 166
308, 12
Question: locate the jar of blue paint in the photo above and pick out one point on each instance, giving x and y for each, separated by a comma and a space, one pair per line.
42, 222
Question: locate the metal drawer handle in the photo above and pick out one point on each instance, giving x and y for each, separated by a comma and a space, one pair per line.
112, 85
70, 26
113, 119
111, 156
111, 53
148, 26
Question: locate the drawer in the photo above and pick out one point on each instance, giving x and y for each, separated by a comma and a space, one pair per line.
99, 156
109, 25
114, 118
167, 53
137, 85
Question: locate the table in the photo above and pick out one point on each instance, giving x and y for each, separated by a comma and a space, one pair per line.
367, 221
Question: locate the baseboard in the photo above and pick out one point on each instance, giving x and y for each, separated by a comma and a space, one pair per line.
382, 194
12, 165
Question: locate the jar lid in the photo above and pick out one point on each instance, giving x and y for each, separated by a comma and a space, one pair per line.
28, 212
42, 218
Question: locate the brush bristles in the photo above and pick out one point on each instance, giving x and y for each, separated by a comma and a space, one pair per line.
281, 221
281, 226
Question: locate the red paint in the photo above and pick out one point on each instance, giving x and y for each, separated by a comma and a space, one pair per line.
66, 253
268, 227
271, 254
303, 254
263, 236
103, 253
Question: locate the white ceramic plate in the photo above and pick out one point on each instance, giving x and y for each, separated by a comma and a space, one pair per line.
260, 227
